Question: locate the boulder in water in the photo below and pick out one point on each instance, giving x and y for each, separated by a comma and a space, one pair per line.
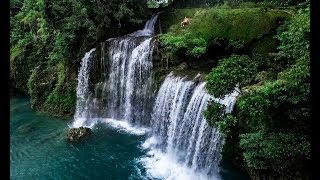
75, 134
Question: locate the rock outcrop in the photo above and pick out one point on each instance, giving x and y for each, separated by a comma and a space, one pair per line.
182, 66
75, 134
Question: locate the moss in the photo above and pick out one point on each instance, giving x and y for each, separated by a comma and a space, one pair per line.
209, 25
264, 45
218, 32
244, 24
171, 17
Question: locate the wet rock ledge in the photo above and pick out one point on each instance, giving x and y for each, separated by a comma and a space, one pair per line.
74, 134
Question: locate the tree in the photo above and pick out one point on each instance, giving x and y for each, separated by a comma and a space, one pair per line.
273, 119
294, 36
230, 72
276, 116
216, 116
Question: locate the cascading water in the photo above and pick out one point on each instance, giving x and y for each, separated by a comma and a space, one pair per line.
114, 80
180, 130
114, 86
83, 90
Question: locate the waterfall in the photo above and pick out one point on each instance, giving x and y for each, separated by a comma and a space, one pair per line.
114, 86
83, 89
115, 79
129, 79
180, 127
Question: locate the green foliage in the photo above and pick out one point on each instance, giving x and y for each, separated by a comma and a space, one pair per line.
60, 52
284, 153
51, 91
233, 3
232, 24
273, 112
287, 2
236, 44
192, 46
281, 106
28, 40
295, 36
16, 3
40, 83
184, 3
56, 34
216, 116
237, 26
230, 72
63, 98
215, 112
253, 3
62, 101
255, 118
15, 6
265, 45
227, 123
153, 4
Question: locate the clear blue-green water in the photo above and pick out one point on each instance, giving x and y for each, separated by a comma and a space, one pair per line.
39, 150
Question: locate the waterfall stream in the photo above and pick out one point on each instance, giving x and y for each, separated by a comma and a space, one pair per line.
114, 86
114, 80
179, 127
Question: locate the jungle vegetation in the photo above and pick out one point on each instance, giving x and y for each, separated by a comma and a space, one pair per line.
260, 46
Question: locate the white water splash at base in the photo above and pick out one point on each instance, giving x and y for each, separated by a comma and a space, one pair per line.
161, 165
125, 126
120, 125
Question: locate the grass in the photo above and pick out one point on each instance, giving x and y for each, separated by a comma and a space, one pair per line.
234, 24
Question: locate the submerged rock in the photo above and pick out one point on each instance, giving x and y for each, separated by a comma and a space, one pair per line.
26, 128
75, 134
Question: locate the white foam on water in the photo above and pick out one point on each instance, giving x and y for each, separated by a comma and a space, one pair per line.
124, 126
120, 125
77, 123
164, 166
149, 142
